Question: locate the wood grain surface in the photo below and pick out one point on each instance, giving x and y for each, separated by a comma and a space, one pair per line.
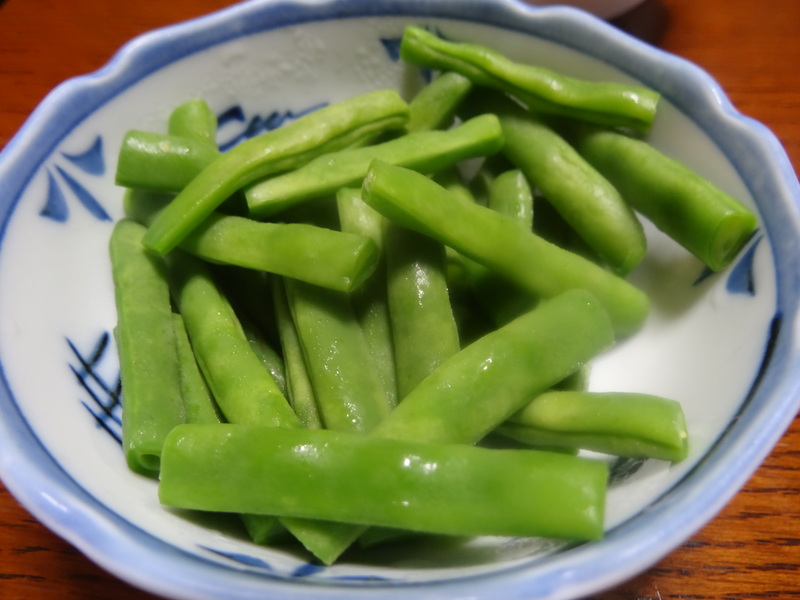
751, 550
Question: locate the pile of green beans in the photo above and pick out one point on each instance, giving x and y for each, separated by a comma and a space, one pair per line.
322, 328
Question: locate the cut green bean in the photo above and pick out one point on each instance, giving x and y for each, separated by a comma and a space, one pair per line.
495, 241
541, 89
427, 151
424, 330
435, 105
300, 390
510, 194
583, 197
198, 401
369, 300
449, 489
244, 390
482, 385
324, 257
706, 221
160, 162
194, 120
620, 424
349, 393
148, 354
325, 130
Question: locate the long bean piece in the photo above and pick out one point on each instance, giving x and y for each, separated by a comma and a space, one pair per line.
321, 474
435, 105
427, 151
498, 243
583, 197
541, 89
325, 130
697, 214
620, 424
148, 353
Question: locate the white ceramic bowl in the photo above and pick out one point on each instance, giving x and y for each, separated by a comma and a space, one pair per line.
723, 345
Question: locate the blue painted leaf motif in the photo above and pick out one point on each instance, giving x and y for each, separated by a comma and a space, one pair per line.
90, 162
740, 280
392, 47
256, 124
104, 402
55, 206
84, 196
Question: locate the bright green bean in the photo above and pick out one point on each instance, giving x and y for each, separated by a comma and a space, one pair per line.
435, 105
319, 474
541, 89
498, 243
369, 300
197, 398
194, 120
588, 201
427, 151
697, 214
325, 130
621, 424
159, 162
148, 354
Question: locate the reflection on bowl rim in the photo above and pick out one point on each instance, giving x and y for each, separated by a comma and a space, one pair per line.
51, 495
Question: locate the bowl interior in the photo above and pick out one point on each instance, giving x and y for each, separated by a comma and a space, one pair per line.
704, 344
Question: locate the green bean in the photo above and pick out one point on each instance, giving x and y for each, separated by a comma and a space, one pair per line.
148, 355
332, 259
621, 424
244, 390
495, 241
588, 201
194, 120
300, 391
319, 474
198, 401
370, 302
159, 162
541, 89
270, 358
349, 393
424, 330
482, 385
510, 194
427, 151
697, 214
435, 105
324, 130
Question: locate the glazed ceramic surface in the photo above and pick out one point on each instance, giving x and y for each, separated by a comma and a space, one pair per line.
722, 344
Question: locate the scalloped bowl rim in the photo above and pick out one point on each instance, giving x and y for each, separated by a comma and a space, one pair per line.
53, 497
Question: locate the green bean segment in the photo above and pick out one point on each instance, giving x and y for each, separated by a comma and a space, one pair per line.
498, 243
325, 130
194, 120
582, 196
427, 151
148, 352
540, 89
697, 214
319, 474
159, 162
620, 424
435, 105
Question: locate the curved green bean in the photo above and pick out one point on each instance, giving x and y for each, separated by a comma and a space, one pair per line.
697, 214
539, 88
620, 424
427, 151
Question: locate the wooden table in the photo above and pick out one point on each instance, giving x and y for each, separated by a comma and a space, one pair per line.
750, 550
